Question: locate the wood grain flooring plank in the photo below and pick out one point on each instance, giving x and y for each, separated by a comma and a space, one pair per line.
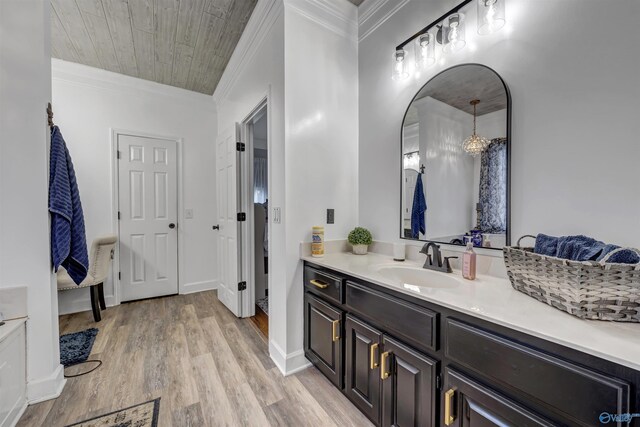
336, 405
147, 349
193, 331
189, 416
217, 409
266, 388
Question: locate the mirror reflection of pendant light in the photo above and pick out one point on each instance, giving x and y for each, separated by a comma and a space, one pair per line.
475, 144
455, 31
425, 51
399, 65
490, 16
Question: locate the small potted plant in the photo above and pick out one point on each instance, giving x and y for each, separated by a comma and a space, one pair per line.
360, 238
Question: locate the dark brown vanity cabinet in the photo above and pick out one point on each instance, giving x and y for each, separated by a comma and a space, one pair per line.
407, 362
468, 403
323, 343
362, 367
408, 386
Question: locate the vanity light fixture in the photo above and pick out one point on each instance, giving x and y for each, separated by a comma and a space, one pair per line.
491, 17
455, 31
425, 51
475, 144
399, 65
450, 32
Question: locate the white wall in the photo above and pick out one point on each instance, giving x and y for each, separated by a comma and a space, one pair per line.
25, 89
88, 103
306, 60
321, 92
574, 86
255, 71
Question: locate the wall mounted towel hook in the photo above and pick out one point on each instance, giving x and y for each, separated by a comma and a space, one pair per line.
50, 114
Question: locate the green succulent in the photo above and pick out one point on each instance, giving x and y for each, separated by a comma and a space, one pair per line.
360, 236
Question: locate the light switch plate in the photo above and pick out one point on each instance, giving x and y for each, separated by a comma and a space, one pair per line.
188, 213
276, 216
331, 218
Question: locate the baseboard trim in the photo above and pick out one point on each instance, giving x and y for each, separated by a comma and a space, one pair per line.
83, 304
207, 285
289, 363
46, 388
14, 416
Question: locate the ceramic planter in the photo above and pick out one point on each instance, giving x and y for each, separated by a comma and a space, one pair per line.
360, 249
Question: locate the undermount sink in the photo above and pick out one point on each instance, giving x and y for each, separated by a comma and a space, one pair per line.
415, 276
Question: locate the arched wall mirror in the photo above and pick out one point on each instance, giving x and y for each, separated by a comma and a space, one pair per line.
455, 159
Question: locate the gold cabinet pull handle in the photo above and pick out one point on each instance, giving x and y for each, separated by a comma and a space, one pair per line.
319, 284
372, 356
334, 327
448, 407
384, 374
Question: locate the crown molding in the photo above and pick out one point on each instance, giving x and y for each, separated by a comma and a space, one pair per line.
373, 13
262, 19
83, 75
340, 17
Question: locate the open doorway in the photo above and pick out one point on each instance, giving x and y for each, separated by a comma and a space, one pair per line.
257, 191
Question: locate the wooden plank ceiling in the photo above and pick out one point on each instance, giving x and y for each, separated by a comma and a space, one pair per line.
183, 43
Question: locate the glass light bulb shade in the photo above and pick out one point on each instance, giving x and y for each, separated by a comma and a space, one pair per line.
455, 31
491, 16
425, 51
475, 144
399, 65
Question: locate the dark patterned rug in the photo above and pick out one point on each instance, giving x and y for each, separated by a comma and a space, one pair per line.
76, 347
140, 415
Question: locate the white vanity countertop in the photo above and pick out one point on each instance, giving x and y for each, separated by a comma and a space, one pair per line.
10, 326
493, 299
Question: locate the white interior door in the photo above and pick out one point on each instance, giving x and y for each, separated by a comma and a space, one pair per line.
148, 211
229, 265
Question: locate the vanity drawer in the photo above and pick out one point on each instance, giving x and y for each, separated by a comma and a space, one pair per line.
415, 325
577, 394
324, 284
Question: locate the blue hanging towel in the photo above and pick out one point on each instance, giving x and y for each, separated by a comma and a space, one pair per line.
418, 209
68, 240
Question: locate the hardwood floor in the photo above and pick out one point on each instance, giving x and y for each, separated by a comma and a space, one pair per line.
261, 321
209, 368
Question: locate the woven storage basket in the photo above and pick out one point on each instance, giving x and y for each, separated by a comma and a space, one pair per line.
586, 289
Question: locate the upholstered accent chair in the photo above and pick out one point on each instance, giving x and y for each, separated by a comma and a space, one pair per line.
100, 258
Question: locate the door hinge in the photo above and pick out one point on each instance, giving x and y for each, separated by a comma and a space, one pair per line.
119, 154
119, 275
242, 216
439, 382
118, 215
242, 286
240, 146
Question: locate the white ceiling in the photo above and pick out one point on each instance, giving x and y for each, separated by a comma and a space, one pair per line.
183, 43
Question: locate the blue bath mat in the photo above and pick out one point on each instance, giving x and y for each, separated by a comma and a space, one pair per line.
76, 347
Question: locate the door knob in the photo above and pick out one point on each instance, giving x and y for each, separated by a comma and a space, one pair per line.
172, 225
216, 227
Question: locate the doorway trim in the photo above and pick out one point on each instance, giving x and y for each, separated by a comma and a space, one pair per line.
114, 133
248, 229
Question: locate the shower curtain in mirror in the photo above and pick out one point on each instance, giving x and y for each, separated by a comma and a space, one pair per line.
493, 187
259, 180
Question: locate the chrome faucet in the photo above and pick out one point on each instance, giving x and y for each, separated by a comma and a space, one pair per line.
435, 261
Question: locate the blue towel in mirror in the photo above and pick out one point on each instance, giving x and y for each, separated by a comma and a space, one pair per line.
418, 209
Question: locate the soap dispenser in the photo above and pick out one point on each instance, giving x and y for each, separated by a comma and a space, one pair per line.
469, 263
